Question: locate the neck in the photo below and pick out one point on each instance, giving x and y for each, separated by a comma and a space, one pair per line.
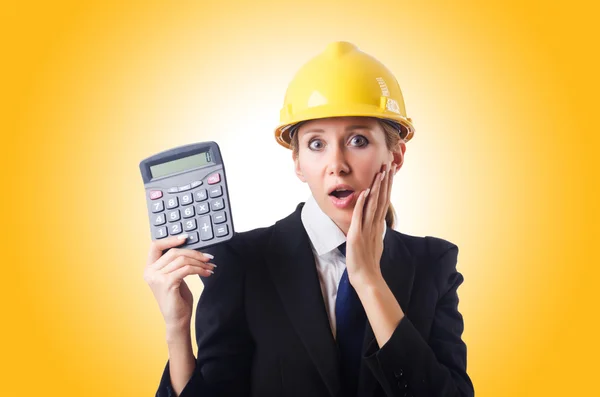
343, 227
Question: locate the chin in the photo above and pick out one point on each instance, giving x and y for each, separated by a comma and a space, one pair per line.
341, 217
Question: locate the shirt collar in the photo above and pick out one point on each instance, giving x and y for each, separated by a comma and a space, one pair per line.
323, 233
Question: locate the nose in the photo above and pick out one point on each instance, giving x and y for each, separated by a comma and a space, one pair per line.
337, 162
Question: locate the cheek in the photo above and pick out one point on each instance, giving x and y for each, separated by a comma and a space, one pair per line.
312, 175
366, 172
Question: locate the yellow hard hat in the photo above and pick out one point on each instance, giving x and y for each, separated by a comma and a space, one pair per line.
342, 81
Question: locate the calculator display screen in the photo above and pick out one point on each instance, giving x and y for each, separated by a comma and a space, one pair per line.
182, 164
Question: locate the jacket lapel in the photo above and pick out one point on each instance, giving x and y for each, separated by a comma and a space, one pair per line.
292, 265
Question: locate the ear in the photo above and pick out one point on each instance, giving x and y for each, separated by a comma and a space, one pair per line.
299, 173
398, 155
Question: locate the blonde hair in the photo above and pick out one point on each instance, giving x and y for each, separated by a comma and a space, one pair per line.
393, 137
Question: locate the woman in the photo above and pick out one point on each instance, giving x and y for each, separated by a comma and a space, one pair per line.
331, 300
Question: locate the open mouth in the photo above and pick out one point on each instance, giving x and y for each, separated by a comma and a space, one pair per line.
340, 194
342, 198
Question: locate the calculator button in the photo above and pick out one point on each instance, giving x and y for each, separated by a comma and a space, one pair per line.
189, 225
202, 208
172, 190
160, 232
220, 217
188, 212
158, 206
173, 216
159, 220
200, 195
221, 231
186, 199
217, 204
155, 194
185, 187
192, 238
173, 202
216, 191
175, 228
205, 226
214, 178
196, 184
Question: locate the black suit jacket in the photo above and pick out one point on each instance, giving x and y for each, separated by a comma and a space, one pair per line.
262, 328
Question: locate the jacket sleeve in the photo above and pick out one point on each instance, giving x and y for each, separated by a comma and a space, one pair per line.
409, 365
225, 346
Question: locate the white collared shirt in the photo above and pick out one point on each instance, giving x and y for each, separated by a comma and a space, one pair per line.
325, 236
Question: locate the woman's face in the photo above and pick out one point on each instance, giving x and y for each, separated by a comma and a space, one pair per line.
342, 151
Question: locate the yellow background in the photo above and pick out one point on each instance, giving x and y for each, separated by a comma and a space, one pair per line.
502, 95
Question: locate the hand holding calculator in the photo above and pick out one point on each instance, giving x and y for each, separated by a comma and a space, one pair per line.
186, 192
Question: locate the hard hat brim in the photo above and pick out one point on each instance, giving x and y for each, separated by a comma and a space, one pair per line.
283, 129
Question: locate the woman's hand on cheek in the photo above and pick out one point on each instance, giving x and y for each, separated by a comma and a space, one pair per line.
364, 242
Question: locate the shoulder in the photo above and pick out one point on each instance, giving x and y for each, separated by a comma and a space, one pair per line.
430, 247
253, 244
256, 241
435, 258
242, 244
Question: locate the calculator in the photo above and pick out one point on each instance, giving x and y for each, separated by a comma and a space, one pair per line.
186, 192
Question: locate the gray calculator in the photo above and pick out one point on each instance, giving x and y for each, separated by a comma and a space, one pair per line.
186, 192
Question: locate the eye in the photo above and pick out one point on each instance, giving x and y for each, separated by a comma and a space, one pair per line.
313, 147
362, 141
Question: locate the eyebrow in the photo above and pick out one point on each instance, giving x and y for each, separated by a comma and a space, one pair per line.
349, 128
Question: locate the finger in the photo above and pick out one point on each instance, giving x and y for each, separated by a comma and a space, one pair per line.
389, 193
175, 252
184, 271
372, 200
184, 260
381, 207
388, 190
357, 214
158, 246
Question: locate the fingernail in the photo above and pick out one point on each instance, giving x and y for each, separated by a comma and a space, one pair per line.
210, 271
367, 193
382, 175
182, 237
212, 264
209, 256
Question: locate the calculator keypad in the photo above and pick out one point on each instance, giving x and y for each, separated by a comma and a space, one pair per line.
206, 232
160, 232
221, 217
188, 212
175, 228
200, 195
173, 216
216, 205
172, 202
159, 220
186, 199
221, 231
189, 225
202, 209
191, 208
158, 206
